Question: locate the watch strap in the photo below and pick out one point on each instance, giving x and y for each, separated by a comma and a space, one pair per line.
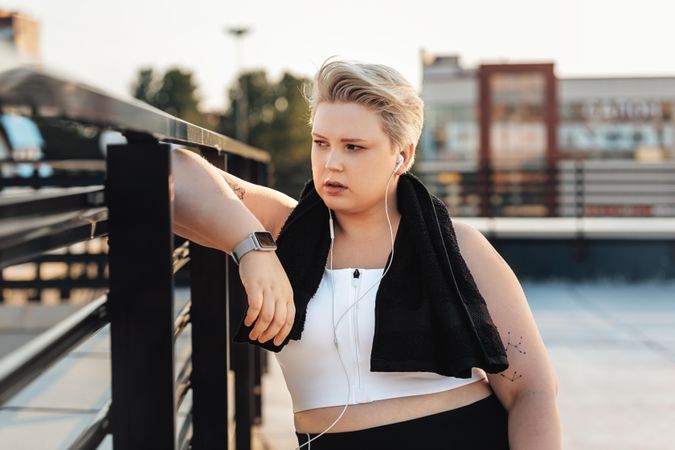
249, 244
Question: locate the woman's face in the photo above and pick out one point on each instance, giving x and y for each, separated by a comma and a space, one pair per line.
350, 147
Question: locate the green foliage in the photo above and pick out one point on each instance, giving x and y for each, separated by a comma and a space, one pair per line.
276, 111
174, 92
277, 122
143, 88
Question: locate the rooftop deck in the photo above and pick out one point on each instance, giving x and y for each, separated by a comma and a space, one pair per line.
612, 345
613, 348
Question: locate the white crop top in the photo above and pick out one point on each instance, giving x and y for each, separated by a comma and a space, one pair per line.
311, 366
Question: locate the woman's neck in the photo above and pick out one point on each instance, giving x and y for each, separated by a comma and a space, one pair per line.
365, 228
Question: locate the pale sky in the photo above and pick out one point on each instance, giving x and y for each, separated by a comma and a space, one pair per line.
105, 42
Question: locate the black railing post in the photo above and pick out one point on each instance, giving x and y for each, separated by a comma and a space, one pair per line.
487, 187
580, 247
242, 364
141, 295
242, 354
579, 188
210, 341
552, 186
257, 385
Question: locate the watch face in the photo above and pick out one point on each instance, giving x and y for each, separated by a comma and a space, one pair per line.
265, 238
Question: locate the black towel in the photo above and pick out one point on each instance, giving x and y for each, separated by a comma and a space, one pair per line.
429, 314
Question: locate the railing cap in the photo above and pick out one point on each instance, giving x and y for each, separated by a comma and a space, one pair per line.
50, 95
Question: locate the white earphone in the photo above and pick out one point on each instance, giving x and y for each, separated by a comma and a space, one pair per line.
399, 161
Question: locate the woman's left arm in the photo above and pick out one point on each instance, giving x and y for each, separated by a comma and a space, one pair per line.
528, 388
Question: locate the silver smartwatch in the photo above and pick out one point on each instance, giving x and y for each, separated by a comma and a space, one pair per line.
258, 240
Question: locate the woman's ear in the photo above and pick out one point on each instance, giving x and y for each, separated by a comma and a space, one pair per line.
408, 153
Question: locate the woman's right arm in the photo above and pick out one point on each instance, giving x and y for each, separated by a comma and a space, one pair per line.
208, 211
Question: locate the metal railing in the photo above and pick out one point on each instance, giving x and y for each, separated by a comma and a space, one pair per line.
134, 210
554, 187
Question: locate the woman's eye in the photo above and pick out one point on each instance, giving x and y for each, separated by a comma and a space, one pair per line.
351, 147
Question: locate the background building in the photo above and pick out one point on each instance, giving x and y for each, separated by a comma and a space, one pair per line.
503, 139
22, 33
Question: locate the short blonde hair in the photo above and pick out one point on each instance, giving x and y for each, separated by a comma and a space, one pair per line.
379, 88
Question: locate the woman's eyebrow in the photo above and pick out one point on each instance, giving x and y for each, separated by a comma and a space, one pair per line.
341, 140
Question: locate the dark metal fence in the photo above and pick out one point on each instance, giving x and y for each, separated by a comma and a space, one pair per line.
134, 210
557, 187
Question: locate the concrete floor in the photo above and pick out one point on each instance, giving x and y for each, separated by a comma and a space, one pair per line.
612, 345
613, 348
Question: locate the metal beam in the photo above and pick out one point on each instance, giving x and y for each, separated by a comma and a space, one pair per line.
141, 295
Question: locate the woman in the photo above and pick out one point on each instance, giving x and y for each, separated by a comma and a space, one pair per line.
392, 324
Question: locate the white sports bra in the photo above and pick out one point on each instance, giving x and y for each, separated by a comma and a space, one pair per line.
311, 366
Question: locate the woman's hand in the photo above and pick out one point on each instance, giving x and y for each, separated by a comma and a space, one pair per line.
270, 296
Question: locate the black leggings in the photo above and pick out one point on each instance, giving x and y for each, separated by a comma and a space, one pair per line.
482, 425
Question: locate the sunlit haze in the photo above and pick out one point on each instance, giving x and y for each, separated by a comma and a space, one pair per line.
105, 43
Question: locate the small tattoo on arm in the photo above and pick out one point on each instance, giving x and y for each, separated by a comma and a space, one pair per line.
240, 191
517, 346
512, 378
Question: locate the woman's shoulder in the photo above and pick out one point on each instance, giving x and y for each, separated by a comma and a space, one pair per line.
481, 258
467, 235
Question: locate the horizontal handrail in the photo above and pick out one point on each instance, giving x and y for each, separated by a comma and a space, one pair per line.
591, 228
51, 202
41, 234
92, 436
46, 94
88, 165
26, 363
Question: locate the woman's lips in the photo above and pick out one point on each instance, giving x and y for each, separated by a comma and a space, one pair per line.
333, 190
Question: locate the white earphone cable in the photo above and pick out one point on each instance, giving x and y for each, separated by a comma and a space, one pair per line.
335, 325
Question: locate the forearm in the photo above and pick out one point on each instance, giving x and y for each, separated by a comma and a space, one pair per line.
534, 422
206, 206
193, 236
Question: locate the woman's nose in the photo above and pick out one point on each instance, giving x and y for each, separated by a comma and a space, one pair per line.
333, 161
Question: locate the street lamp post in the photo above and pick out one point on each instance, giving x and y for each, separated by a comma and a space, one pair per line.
242, 104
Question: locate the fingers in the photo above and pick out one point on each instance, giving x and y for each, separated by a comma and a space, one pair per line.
271, 310
255, 302
265, 317
276, 324
290, 317
273, 319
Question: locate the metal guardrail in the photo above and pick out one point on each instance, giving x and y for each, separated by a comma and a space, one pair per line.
134, 210
41, 94
554, 187
65, 173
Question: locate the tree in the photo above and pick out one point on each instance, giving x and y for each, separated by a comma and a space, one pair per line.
174, 92
277, 122
143, 88
277, 116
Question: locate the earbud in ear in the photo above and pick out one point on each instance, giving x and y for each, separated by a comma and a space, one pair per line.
398, 162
